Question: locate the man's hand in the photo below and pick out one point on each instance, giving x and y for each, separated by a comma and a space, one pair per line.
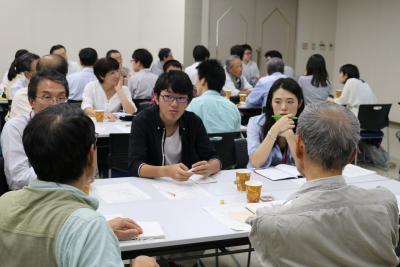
144, 261
125, 228
178, 172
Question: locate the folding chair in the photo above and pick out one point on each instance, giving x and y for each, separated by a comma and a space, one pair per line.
373, 118
141, 104
242, 157
247, 113
118, 155
225, 146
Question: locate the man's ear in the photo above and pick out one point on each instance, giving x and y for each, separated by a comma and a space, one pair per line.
352, 156
300, 148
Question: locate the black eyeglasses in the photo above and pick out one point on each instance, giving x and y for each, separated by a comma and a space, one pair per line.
179, 99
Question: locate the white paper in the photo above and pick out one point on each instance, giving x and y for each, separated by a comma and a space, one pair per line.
151, 230
172, 189
233, 216
126, 128
253, 207
353, 171
200, 179
120, 193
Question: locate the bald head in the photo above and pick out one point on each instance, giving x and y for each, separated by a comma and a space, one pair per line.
53, 62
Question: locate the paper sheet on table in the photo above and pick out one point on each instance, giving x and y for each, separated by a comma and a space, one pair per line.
233, 216
353, 171
120, 193
253, 207
151, 229
200, 179
172, 189
299, 181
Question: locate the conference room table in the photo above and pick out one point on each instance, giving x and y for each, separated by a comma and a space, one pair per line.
193, 216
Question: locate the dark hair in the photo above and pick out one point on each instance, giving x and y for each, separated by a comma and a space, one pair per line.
56, 47
163, 53
172, 62
213, 72
237, 50
175, 80
350, 70
21, 64
317, 68
273, 53
289, 85
200, 53
143, 56
247, 47
103, 66
57, 142
20, 52
46, 74
111, 51
53, 62
88, 56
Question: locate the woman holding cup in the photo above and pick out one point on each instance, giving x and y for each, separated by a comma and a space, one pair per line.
107, 94
270, 136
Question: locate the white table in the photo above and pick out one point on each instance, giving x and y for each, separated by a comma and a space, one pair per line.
185, 222
104, 129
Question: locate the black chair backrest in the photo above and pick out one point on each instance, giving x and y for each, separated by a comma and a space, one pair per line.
138, 103
225, 146
374, 117
3, 181
247, 113
242, 157
398, 135
144, 105
118, 152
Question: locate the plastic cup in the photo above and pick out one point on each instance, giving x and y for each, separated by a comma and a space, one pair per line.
242, 98
338, 93
241, 178
99, 115
253, 191
228, 93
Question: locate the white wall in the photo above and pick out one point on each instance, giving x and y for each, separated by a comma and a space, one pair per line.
123, 24
193, 27
367, 36
316, 23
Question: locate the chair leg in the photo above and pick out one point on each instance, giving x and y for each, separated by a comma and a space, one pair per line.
249, 257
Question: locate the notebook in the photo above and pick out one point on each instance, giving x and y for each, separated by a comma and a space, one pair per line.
279, 172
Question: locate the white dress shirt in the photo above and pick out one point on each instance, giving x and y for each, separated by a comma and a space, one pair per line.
19, 82
77, 82
157, 68
94, 97
229, 85
251, 72
141, 84
191, 71
17, 168
73, 67
20, 104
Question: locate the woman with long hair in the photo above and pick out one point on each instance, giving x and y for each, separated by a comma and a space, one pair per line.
270, 136
315, 83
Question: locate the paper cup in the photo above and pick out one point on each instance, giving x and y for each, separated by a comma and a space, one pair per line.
338, 93
242, 98
253, 191
241, 178
228, 93
99, 115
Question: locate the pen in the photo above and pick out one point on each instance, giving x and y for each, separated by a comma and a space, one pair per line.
277, 116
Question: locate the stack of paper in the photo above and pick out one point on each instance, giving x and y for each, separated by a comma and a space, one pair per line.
151, 230
120, 193
253, 207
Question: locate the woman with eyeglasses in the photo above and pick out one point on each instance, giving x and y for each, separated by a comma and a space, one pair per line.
167, 140
107, 93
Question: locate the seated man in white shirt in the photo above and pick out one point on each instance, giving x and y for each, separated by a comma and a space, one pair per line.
200, 53
250, 68
20, 104
125, 72
235, 82
78, 80
164, 55
62, 51
288, 71
328, 222
141, 84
